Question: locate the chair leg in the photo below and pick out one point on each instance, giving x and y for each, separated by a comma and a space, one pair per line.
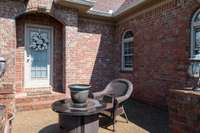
125, 114
113, 127
114, 119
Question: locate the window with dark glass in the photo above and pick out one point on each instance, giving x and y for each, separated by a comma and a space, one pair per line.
127, 51
195, 37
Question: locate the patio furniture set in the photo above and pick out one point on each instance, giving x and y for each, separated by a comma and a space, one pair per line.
80, 114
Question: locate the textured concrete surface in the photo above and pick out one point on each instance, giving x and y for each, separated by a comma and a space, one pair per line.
142, 119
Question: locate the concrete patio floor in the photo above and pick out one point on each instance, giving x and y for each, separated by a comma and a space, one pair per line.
142, 119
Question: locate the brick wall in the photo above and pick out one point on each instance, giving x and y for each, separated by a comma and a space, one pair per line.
8, 9
161, 49
8, 37
184, 111
92, 57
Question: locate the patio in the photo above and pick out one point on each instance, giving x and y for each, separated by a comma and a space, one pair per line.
143, 119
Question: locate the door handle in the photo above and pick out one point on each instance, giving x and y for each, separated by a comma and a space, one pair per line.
27, 59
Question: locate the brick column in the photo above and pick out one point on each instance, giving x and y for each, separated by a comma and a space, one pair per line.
7, 50
69, 17
70, 40
184, 111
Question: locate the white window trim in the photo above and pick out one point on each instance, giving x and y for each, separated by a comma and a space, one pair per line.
194, 25
44, 84
131, 39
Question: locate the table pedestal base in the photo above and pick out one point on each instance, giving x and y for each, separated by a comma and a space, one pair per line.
79, 124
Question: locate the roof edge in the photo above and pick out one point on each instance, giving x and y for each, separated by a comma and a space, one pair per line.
88, 3
130, 6
117, 13
99, 13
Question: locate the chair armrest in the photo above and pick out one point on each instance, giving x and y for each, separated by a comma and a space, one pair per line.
121, 99
98, 95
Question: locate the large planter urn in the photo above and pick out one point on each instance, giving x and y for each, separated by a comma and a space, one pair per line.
79, 94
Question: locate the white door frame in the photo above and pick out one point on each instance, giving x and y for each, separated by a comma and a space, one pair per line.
37, 84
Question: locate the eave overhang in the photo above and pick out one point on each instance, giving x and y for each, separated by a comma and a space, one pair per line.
81, 5
136, 8
86, 10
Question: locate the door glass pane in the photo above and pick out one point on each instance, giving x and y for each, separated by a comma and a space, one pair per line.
39, 65
38, 49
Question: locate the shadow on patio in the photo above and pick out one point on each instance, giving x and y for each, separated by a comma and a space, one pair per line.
152, 119
143, 119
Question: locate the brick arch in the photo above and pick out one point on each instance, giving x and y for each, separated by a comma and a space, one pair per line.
40, 6
39, 11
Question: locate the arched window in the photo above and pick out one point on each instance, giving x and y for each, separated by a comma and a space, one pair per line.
195, 34
127, 51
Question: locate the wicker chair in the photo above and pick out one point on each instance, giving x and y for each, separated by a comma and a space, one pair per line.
115, 93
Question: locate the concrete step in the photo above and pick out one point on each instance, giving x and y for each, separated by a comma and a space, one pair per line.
33, 106
37, 102
39, 93
39, 98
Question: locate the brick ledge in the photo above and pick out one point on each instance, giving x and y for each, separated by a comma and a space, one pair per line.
186, 91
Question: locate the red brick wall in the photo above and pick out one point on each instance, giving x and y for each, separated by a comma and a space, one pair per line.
92, 58
8, 9
8, 37
161, 49
46, 20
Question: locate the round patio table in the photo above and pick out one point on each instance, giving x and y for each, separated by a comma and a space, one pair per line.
78, 120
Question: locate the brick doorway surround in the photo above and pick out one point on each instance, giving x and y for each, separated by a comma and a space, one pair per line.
57, 57
43, 13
